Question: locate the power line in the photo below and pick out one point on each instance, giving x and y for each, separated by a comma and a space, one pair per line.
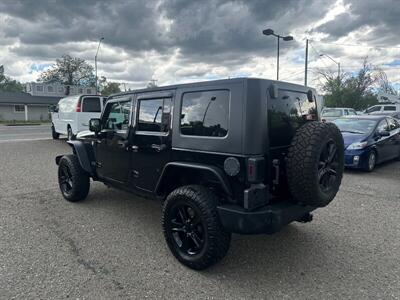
357, 45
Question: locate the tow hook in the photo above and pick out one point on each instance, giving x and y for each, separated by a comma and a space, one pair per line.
305, 218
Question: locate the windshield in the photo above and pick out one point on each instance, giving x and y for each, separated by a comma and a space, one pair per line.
356, 126
332, 112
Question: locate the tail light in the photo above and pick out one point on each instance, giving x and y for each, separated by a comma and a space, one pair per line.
255, 169
78, 106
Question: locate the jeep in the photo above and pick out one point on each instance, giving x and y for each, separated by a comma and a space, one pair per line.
244, 156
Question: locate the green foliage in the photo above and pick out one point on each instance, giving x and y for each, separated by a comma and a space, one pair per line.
69, 71
108, 88
355, 91
9, 85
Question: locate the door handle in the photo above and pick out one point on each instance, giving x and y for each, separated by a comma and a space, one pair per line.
158, 148
134, 148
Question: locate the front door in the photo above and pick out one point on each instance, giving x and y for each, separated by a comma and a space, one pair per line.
113, 154
152, 140
382, 143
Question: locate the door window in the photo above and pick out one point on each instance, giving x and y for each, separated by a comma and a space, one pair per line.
373, 109
205, 113
116, 116
91, 104
382, 126
392, 124
154, 115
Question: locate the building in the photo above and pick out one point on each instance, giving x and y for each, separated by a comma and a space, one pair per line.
25, 107
34, 103
56, 89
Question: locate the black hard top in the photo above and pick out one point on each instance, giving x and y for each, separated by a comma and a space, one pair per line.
280, 84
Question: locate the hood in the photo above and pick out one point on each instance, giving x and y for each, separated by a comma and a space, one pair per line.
85, 134
350, 138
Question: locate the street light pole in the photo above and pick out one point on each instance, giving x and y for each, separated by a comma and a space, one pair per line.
285, 38
95, 61
338, 63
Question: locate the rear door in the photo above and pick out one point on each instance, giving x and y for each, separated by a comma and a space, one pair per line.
151, 146
394, 138
382, 142
90, 108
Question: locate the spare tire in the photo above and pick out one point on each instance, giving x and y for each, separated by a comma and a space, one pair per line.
315, 164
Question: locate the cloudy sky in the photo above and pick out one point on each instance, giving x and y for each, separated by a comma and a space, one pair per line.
183, 41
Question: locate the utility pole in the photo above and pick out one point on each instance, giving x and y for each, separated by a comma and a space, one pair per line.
306, 64
95, 62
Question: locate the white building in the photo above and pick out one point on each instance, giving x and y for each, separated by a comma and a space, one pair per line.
56, 89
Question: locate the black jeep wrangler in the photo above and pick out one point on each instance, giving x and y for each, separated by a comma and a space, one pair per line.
228, 156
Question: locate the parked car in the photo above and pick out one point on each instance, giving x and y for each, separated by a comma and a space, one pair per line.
369, 140
72, 114
383, 108
239, 155
395, 115
329, 114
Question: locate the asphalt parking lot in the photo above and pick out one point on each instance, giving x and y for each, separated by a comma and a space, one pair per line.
112, 246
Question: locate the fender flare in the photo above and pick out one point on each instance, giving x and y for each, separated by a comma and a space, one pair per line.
214, 171
80, 150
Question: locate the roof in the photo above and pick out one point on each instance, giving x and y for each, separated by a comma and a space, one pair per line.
364, 117
25, 98
281, 84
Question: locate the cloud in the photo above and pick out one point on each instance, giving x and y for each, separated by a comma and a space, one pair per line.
180, 41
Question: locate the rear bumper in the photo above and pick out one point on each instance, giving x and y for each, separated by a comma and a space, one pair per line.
267, 219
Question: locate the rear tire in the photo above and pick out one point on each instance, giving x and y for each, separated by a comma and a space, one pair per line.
55, 135
315, 164
73, 181
192, 228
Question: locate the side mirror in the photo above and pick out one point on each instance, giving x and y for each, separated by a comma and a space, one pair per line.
384, 133
94, 125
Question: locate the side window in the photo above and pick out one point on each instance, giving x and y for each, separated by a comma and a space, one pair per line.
352, 112
205, 113
392, 124
346, 112
389, 108
382, 126
116, 116
91, 104
154, 115
373, 108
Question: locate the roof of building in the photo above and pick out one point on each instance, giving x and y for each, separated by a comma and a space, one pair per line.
25, 98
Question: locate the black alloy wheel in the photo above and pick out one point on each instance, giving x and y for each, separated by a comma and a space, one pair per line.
187, 229
192, 228
65, 179
328, 166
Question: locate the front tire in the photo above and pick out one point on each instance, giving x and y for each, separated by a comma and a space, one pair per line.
55, 135
73, 181
371, 162
192, 228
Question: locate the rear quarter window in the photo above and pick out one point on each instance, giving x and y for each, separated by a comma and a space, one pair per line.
205, 113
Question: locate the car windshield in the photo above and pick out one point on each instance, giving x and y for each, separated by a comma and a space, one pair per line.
332, 112
355, 126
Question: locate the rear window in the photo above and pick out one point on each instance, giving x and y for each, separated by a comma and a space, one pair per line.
91, 104
389, 108
205, 113
332, 113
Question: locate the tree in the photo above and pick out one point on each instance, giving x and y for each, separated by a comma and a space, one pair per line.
384, 86
108, 88
7, 84
69, 71
355, 91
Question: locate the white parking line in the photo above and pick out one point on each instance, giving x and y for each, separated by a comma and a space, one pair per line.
24, 140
